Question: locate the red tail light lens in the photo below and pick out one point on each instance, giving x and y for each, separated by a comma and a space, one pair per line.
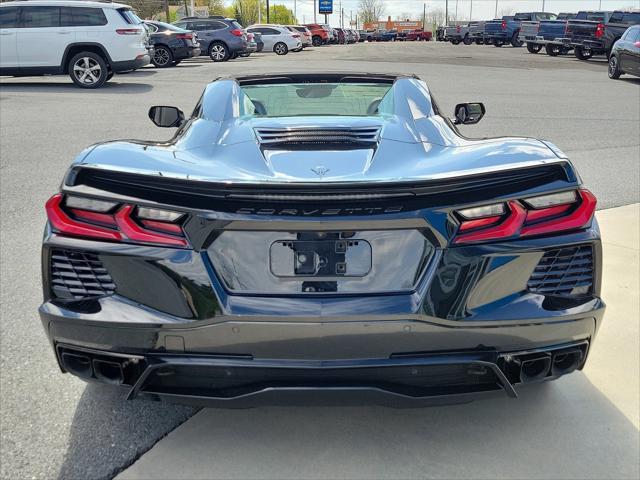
129, 31
119, 223
637, 44
541, 215
184, 36
504, 25
237, 32
458, 29
600, 30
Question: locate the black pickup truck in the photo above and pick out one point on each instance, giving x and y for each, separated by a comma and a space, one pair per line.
596, 37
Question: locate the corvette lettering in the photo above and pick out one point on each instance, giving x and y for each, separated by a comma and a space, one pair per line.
320, 211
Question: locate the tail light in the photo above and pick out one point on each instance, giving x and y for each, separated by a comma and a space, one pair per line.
129, 31
504, 25
637, 44
539, 215
184, 36
237, 32
103, 220
600, 30
458, 29
295, 35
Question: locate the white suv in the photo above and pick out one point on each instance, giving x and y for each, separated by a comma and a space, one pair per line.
90, 41
277, 38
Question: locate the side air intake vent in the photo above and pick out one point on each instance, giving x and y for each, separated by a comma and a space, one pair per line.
77, 275
564, 271
303, 136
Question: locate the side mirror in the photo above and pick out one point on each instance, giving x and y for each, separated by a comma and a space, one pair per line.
469, 113
167, 117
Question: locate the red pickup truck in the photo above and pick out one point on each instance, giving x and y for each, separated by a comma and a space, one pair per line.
418, 34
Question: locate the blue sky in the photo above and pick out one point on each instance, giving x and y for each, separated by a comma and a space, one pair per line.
482, 9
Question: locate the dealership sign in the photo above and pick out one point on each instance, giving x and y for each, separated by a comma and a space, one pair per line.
325, 7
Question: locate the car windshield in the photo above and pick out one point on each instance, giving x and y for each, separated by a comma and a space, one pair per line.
305, 99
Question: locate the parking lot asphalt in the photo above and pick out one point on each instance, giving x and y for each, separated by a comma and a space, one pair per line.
53, 425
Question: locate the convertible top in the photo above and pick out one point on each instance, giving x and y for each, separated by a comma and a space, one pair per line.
319, 77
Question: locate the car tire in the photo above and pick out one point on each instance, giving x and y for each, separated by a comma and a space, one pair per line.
479, 41
515, 41
553, 50
162, 57
582, 54
614, 68
281, 48
497, 43
109, 75
88, 70
219, 52
316, 41
467, 40
455, 42
533, 48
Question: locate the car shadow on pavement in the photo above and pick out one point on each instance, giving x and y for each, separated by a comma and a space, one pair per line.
564, 429
112, 87
108, 433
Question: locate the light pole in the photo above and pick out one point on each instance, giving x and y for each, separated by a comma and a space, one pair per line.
268, 12
315, 9
471, 11
446, 12
496, 15
424, 17
456, 11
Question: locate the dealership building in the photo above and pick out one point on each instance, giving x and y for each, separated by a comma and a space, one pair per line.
400, 26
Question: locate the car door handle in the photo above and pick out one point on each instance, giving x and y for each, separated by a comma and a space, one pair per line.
65, 32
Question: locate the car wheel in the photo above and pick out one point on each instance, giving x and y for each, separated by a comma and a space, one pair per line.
455, 42
497, 43
88, 70
533, 48
614, 69
316, 41
515, 41
281, 48
479, 41
582, 53
162, 57
467, 40
219, 52
552, 50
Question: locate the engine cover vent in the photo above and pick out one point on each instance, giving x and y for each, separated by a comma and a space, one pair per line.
304, 136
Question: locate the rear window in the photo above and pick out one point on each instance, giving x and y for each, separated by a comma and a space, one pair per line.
522, 16
305, 99
40, 17
82, 17
236, 25
129, 16
8, 17
161, 26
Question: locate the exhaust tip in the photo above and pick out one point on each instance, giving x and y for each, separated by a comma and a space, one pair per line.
566, 361
535, 369
108, 372
79, 365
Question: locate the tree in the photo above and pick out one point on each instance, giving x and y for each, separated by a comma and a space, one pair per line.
146, 9
246, 11
370, 10
281, 15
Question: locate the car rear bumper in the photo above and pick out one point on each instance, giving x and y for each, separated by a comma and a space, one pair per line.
394, 361
186, 52
124, 66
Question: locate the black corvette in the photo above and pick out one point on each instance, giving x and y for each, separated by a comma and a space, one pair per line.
326, 237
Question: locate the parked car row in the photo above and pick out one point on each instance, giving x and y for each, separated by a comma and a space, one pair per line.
393, 35
615, 34
92, 40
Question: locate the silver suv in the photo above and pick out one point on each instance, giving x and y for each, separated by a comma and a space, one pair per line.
89, 41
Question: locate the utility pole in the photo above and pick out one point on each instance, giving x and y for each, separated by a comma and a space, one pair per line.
259, 12
496, 15
356, 21
456, 11
166, 10
543, 5
267, 11
471, 11
295, 9
424, 17
315, 9
446, 12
